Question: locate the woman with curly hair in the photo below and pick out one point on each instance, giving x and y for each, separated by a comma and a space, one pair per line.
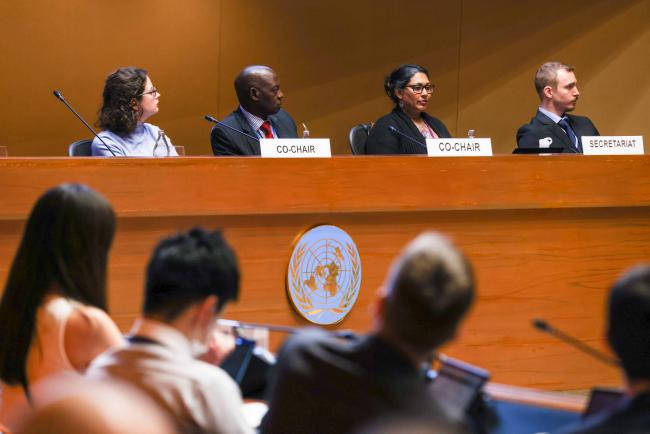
130, 98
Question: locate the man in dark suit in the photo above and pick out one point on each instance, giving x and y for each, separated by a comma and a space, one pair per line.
552, 126
259, 114
322, 384
628, 334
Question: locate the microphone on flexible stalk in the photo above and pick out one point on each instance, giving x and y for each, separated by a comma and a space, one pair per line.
541, 325
218, 122
394, 130
59, 96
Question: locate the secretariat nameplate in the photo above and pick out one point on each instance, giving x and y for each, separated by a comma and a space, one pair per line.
295, 148
612, 145
459, 147
324, 275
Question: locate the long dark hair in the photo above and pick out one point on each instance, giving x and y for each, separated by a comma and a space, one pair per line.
400, 77
122, 88
64, 250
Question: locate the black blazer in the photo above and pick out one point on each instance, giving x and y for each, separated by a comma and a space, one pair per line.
541, 127
227, 142
366, 378
631, 417
382, 141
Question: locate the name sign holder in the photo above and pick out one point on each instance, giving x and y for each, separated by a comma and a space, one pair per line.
459, 147
295, 148
612, 145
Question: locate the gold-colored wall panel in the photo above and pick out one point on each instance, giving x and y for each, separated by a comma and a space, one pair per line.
331, 56
73, 45
503, 43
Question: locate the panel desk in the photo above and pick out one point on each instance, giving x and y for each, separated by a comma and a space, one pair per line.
547, 236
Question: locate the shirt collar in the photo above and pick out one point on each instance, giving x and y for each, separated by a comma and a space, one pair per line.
254, 121
163, 334
555, 118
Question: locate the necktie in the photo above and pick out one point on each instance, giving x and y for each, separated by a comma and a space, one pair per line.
564, 123
268, 131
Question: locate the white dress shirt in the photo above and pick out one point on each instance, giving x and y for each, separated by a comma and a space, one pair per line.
201, 397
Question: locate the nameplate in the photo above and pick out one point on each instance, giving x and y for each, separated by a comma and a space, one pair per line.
459, 147
612, 145
295, 148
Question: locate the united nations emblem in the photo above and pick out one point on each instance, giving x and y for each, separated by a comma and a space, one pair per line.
324, 275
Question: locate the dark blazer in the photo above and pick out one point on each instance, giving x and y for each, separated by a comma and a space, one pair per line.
382, 141
227, 142
321, 384
542, 127
633, 417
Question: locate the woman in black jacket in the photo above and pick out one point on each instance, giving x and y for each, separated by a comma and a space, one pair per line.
410, 89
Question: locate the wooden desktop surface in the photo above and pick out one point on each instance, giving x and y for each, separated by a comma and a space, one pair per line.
546, 235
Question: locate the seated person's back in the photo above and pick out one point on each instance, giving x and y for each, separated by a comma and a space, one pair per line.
190, 278
323, 385
628, 333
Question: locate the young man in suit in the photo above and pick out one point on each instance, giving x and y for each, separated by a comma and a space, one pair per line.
259, 114
552, 126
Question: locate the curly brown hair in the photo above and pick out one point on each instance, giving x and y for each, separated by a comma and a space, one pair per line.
122, 88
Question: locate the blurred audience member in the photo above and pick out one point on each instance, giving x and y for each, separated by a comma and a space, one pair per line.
190, 279
326, 385
628, 333
52, 312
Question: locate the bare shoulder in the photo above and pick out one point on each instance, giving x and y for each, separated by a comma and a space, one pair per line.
89, 332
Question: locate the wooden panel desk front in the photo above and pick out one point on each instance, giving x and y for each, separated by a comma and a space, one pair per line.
547, 235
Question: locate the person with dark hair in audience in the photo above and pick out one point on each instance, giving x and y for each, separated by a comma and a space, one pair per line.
628, 333
190, 279
130, 98
52, 313
409, 88
259, 114
322, 384
553, 126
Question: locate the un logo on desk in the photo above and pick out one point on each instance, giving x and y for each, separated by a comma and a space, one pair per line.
324, 275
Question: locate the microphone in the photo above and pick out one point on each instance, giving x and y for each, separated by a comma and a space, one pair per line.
394, 130
545, 327
218, 122
60, 97
344, 334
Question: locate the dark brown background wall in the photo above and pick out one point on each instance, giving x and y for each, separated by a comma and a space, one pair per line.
331, 57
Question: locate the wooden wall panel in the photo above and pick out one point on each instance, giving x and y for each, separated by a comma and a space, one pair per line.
503, 43
331, 55
72, 46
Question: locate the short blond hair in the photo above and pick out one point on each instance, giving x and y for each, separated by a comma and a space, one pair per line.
430, 288
547, 75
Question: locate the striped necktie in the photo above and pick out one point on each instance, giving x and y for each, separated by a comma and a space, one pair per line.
268, 131
564, 124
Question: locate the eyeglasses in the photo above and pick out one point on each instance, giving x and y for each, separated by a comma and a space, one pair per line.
153, 92
419, 88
